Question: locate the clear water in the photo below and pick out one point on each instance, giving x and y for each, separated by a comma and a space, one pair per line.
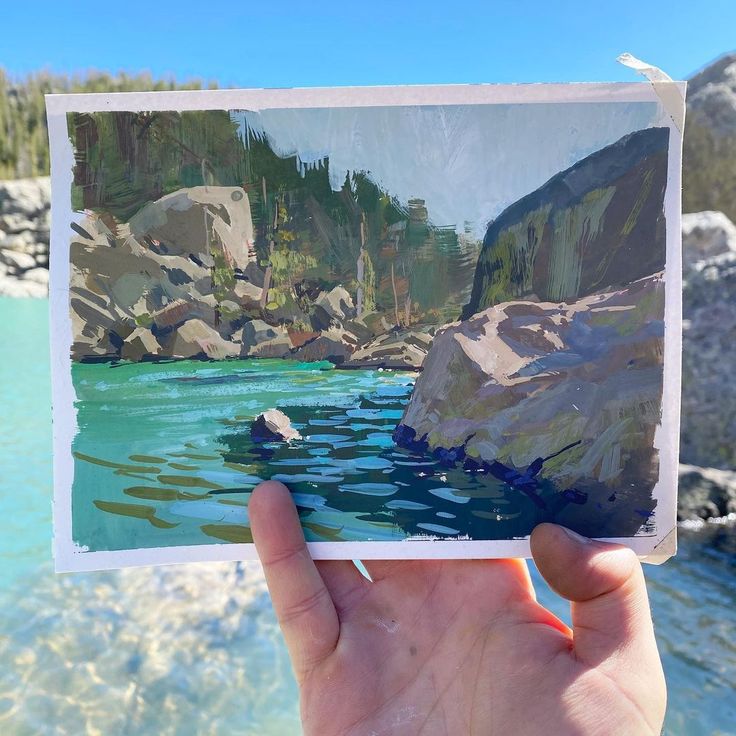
195, 649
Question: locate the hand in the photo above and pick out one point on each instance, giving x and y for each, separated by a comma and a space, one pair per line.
462, 646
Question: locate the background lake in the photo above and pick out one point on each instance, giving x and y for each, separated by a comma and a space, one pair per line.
195, 649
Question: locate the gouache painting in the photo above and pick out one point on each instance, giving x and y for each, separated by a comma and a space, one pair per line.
439, 319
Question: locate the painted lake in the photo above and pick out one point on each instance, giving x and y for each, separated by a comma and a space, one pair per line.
194, 649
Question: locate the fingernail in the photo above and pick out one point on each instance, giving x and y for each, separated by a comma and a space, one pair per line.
578, 538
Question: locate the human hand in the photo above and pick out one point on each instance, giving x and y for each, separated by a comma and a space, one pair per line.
462, 646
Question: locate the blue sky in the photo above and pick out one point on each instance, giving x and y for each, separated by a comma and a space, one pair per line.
326, 42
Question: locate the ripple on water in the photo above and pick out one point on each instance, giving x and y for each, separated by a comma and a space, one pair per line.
370, 489
450, 494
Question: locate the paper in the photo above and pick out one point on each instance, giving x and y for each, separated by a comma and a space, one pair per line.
440, 315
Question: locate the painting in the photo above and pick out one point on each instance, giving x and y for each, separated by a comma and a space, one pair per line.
439, 315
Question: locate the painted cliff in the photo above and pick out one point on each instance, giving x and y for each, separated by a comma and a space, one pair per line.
553, 377
597, 225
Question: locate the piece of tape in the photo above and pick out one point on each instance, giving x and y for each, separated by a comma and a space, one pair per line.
668, 91
664, 550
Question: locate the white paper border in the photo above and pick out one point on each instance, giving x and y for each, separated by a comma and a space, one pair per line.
68, 557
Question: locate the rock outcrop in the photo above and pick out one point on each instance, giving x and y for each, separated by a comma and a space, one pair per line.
711, 95
704, 235
198, 220
273, 426
401, 349
261, 340
332, 308
705, 493
24, 237
708, 434
196, 339
582, 231
572, 390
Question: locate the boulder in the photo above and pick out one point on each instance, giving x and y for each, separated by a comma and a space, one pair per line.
38, 275
140, 345
197, 221
261, 340
28, 197
332, 308
16, 260
706, 234
569, 393
705, 493
402, 350
247, 293
21, 288
596, 226
334, 344
273, 426
195, 339
708, 425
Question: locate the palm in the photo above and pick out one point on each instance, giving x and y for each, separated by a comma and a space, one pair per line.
436, 647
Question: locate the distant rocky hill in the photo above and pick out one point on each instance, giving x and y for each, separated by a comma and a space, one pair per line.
709, 155
711, 96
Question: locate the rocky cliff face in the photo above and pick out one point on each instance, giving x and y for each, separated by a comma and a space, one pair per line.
709, 357
24, 237
571, 391
153, 287
581, 232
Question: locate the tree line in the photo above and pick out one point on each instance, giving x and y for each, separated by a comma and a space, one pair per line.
24, 149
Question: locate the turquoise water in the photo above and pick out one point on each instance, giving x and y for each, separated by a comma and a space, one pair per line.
194, 649
164, 456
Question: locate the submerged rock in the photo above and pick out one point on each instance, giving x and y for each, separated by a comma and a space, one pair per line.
273, 425
569, 392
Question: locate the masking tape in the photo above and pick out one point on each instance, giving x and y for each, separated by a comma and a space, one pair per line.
669, 92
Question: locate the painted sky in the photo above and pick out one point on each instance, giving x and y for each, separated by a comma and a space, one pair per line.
467, 162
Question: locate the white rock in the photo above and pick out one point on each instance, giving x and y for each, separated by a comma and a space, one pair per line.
20, 288
273, 425
17, 260
27, 196
706, 234
37, 275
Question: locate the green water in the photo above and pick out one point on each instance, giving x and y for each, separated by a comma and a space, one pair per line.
194, 649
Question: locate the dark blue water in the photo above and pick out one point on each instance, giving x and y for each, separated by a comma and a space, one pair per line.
195, 649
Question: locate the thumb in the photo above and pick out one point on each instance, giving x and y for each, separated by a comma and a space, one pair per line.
609, 603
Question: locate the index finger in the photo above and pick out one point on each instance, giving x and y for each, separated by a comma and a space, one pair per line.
303, 605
